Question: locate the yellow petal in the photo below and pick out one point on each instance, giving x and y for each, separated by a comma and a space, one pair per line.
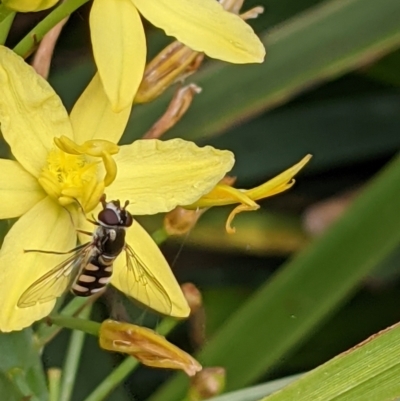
19, 191
48, 227
31, 113
92, 116
119, 48
156, 176
29, 5
152, 282
280, 183
205, 26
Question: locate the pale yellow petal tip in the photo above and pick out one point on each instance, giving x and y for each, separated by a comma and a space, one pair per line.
258, 53
304, 160
181, 311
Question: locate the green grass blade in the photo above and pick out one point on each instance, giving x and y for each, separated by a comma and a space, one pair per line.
370, 371
279, 317
324, 43
254, 393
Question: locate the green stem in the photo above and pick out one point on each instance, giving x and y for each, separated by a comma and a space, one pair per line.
18, 378
54, 376
5, 26
70, 367
28, 44
46, 333
119, 374
75, 323
159, 236
4, 12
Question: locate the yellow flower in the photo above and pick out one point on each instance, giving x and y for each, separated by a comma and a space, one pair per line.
29, 5
41, 185
146, 345
119, 44
224, 194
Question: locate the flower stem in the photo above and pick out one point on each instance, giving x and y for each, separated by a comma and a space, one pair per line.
70, 367
4, 12
53, 377
5, 25
75, 323
46, 333
159, 236
28, 44
120, 373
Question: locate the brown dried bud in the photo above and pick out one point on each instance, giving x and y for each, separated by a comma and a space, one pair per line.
193, 296
178, 106
146, 345
173, 63
207, 384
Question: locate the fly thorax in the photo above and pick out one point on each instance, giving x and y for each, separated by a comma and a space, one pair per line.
113, 241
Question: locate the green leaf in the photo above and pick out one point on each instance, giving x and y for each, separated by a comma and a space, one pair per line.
20, 361
369, 371
386, 70
255, 392
326, 42
304, 292
337, 131
9, 390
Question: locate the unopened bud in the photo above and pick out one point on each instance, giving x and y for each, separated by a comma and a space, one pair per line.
253, 13
180, 221
146, 345
193, 296
233, 6
207, 384
178, 106
173, 63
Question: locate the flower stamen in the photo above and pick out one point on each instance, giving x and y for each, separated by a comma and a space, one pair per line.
72, 172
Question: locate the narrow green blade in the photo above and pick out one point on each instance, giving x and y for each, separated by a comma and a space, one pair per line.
370, 371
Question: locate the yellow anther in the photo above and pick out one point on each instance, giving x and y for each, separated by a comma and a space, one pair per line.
94, 147
97, 147
67, 145
111, 168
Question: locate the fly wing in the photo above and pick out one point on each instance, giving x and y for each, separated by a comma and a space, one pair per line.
144, 274
54, 283
143, 285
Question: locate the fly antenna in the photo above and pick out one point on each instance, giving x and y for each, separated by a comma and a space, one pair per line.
103, 201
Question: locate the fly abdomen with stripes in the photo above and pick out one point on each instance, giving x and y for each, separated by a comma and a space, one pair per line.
108, 243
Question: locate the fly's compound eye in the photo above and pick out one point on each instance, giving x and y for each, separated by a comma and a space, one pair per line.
109, 217
127, 219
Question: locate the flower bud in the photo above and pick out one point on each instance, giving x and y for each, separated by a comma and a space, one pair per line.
193, 296
178, 106
207, 384
173, 63
146, 345
179, 221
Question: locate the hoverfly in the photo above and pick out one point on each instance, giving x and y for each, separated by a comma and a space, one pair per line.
90, 267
